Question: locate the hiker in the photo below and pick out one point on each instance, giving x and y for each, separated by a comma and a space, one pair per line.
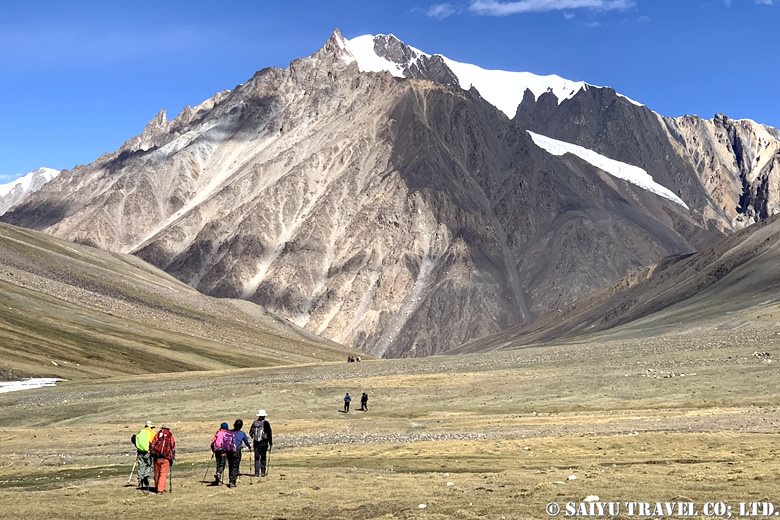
364, 402
220, 445
234, 458
142, 440
347, 400
163, 452
263, 441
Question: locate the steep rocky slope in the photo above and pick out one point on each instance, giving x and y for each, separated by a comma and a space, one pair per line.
731, 284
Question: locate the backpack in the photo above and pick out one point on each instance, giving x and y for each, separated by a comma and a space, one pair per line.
161, 446
260, 435
225, 441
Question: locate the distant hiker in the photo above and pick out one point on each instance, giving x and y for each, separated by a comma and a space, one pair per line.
357, 359
163, 452
234, 458
142, 440
347, 400
222, 443
263, 442
364, 402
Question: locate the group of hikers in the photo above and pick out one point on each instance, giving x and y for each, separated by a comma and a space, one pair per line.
363, 402
156, 452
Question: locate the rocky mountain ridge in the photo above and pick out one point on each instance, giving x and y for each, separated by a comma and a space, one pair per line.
17, 190
395, 211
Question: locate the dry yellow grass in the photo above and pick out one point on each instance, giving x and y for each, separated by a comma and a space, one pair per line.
506, 430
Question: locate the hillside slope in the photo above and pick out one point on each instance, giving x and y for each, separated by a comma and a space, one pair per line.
72, 311
734, 284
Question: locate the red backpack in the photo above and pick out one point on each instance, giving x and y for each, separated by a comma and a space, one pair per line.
162, 446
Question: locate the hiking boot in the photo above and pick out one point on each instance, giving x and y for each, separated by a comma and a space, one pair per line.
232, 485
215, 483
262, 474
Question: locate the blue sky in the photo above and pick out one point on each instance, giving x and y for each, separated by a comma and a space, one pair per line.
78, 78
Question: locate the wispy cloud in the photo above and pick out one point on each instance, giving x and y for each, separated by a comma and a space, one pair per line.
764, 2
503, 8
440, 11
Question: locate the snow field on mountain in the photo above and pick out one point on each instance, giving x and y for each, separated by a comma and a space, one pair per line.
633, 174
25, 182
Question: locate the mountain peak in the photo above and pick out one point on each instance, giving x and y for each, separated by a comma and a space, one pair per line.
14, 192
502, 89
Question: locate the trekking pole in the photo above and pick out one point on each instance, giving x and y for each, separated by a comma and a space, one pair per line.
207, 467
130, 477
268, 464
170, 478
251, 467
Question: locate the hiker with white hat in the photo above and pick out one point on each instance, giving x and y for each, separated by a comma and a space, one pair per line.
262, 439
142, 440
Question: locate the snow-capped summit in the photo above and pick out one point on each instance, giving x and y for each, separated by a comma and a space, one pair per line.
14, 192
503, 89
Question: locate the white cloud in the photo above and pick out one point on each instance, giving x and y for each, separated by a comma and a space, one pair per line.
764, 2
440, 11
567, 15
501, 8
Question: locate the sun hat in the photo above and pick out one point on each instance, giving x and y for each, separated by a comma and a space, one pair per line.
165, 426
149, 424
262, 413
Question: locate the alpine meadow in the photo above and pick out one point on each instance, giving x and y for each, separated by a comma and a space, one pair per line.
383, 283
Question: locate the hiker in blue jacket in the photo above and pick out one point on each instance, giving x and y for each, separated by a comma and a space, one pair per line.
234, 458
347, 400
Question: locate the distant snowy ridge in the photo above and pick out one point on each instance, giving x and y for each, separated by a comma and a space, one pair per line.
633, 174
26, 181
14, 192
502, 89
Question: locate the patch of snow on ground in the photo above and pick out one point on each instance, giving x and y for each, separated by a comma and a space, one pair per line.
633, 174
27, 384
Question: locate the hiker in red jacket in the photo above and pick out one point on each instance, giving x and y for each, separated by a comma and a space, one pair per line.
163, 452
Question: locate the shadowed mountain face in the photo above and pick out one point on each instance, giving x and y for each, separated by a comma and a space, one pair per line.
727, 171
400, 216
736, 279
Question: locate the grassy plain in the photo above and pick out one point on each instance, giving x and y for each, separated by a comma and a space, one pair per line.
506, 430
